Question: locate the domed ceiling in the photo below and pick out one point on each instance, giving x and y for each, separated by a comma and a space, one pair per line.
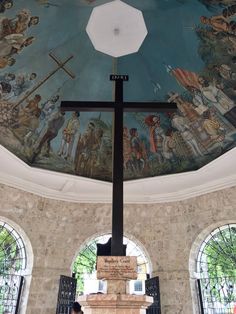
188, 57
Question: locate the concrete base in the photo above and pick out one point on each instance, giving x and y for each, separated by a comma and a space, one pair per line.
115, 303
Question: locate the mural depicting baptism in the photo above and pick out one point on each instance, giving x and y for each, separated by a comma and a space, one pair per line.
44, 60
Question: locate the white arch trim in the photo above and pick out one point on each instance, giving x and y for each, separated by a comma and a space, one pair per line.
196, 245
27, 273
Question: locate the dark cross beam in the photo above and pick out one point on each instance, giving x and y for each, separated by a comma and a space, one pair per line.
118, 107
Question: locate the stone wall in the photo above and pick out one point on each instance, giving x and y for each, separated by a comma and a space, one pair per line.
57, 230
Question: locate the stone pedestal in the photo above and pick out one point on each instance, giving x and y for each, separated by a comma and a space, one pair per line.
118, 270
117, 287
115, 303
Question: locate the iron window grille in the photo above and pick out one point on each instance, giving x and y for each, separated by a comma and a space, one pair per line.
12, 265
216, 267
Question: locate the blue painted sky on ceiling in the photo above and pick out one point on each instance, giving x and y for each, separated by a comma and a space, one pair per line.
182, 59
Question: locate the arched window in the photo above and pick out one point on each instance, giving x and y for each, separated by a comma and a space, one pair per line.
216, 270
12, 266
85, 262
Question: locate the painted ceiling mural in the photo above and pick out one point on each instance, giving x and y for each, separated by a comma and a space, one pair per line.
188, 57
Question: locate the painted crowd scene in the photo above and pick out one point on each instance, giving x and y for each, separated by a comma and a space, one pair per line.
188, 57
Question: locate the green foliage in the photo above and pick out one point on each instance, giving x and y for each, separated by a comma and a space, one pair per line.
8, 252
10, 260
85, 263
220, 253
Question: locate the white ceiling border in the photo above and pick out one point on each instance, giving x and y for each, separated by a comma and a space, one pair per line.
217, 175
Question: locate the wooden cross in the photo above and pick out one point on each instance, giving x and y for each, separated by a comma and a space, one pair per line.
61, 64
118, 107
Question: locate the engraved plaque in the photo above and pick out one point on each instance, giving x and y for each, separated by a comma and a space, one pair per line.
115, 77
116, 267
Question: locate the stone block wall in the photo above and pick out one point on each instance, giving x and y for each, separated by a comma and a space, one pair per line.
168, 231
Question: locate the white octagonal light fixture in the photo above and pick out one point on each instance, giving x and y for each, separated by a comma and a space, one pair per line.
116, 28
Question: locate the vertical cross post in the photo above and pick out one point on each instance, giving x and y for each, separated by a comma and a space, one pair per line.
118, 106
117, 193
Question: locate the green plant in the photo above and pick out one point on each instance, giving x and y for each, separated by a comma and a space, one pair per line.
85, 263
220, 252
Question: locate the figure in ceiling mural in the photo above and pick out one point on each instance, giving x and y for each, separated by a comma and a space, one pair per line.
199, 76
5, 5
13, 37
91, 151
68, 136
14, 85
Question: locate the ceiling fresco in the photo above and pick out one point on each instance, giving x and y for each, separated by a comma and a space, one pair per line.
188, 57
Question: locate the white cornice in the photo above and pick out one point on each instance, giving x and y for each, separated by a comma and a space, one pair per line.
219, 174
